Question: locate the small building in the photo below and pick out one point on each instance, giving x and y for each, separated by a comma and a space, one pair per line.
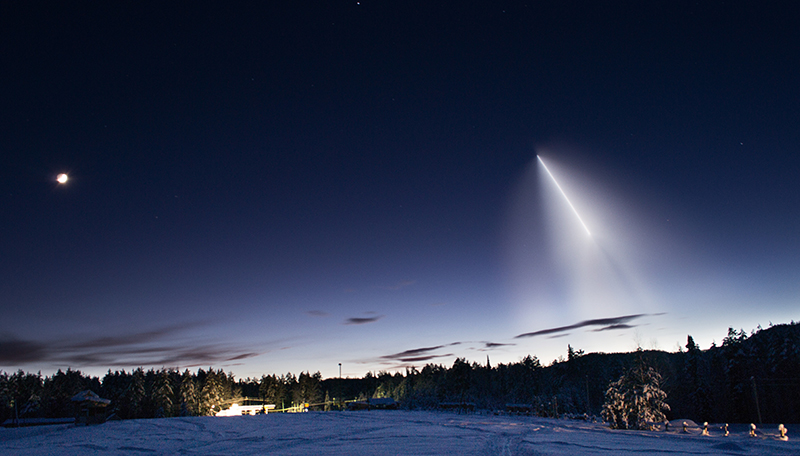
90, 408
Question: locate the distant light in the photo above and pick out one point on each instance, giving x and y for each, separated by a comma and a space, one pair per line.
565, 195
62, 178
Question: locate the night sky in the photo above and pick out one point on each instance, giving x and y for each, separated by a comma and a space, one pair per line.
295, 185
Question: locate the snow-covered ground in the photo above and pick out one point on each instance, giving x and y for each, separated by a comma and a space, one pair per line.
379, 433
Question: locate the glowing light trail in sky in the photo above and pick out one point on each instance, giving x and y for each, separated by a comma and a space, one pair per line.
565, 195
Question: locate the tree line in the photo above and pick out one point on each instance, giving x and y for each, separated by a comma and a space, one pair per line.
748, 378
149, 394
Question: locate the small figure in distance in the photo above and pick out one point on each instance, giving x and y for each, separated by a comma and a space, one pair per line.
725, 428
752, 430
666, 426
685, 431
705, 428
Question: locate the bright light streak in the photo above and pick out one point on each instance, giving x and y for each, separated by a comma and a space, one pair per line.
565, 195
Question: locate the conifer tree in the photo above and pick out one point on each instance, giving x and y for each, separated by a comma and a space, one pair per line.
268, 389
308, 390
162, 395
188, 395
212, 395
636, 400
136, 394
695, 382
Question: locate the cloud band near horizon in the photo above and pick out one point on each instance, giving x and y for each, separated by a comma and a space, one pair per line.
607, 324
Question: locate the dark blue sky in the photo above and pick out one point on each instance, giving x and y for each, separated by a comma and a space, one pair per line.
275, 188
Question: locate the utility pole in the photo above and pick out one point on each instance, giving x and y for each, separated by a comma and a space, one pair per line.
340, 370
588, 404
755, 395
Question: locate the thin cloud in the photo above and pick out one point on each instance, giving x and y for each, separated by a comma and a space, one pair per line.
317, 313
419, 354
496, 345
243, 356
413, 352
362, 320
417, 359
614, 327
129, 339
606, 323
190, 357
14, 351
145, 348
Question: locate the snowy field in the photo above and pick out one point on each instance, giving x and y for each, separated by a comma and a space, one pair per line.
379, 433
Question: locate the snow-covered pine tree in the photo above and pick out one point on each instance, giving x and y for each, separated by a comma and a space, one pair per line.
636, 400
211, 395
135, 395
614, 408
188, 394
163, 394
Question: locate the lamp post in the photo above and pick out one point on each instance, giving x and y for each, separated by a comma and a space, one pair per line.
340, 370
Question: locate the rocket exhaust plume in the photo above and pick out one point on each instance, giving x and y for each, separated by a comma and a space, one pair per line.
565, 195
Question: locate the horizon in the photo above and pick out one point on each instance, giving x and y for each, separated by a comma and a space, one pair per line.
404, 370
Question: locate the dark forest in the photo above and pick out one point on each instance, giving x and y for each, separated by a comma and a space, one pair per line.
748, 378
